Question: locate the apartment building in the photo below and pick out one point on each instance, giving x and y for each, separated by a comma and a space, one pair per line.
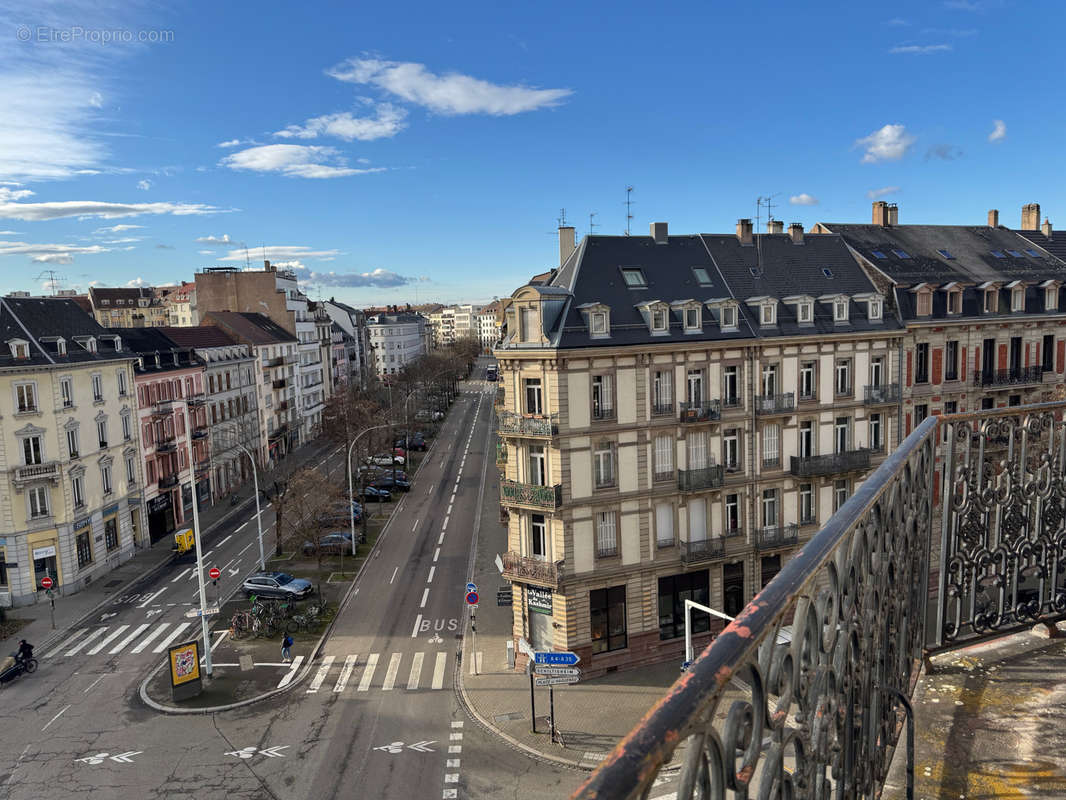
124, 307
275, 355
318, 386
680, 414
180, 303
451, 323
983, 308
172, 421
488, 324
355, 338
71, 500
232, 403
396, 340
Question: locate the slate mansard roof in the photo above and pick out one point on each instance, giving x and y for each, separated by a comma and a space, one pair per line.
773, 266
42, 322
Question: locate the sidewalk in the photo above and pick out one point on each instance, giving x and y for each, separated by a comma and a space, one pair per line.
70, 609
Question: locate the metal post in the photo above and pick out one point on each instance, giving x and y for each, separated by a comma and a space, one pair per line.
532, 701
205, 626
473, 643
909, 710
551, 713
52, 600
258, 513
351, 496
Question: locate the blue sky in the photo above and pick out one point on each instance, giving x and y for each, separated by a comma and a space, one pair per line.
413, 152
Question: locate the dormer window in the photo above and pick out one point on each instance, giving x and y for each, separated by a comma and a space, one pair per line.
729, 317
840, 310
874, 309
767, 314
19, 348
805, 312
1017, 299
658, 319
61, 347
924, 304
692, 319
991, 301
1051, 298
955, 302
598, 322
104, 301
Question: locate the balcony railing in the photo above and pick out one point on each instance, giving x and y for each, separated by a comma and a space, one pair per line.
601, 414
707, 411
501, 453
529, 495
702, 550
775, 403
1018, 376
916, 562
166, 445
517, 425
27, 473
199, 432
830, 464
168, 481
662, 409
881, 394
775, 536
524, 569
278, 432
280, 383
693, 480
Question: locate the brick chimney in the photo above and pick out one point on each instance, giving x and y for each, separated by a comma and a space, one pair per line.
266, 266
880, 215
744, 231
893, 214
775, 226
1046, 228
1031, 217
658, 232
795, 233
566, 243
993, 218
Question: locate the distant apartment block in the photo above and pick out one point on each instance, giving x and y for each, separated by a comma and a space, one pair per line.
396, 340
128, 307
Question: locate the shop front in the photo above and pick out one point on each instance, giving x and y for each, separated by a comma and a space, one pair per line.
43, 548
160, 516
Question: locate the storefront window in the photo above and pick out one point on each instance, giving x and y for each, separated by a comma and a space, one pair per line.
607, 609
85, 551
111, 533
674, 590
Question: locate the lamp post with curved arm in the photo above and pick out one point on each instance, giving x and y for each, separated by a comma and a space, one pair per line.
351, 496
255, 483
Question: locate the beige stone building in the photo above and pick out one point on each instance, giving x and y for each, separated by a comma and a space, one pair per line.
124, 307
679, 414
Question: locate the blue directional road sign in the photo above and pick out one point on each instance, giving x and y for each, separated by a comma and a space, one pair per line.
549, 657
471, 598
471, 587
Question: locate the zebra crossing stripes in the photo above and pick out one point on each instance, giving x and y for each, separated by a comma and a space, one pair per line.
320, 676
107, 640
174, 634
346, 673
343, 678
147, 640
416, 671
118, 648
368, 673
93, 636
438, 671
390, 673
115, 639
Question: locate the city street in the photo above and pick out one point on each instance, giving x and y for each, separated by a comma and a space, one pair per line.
377, 715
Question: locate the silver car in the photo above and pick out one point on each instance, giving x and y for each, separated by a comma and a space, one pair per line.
276, 584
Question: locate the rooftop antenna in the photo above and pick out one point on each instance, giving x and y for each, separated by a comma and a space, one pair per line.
51, 273
629, 207
592, 225
770, 205
562, 218
247, 259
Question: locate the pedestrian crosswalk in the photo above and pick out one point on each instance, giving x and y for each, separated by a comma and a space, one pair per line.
115, 639
356, 673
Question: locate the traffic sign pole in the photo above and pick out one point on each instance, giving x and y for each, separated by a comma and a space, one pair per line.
551, 714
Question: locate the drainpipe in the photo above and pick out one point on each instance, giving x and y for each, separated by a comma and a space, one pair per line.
899, 403
752, 520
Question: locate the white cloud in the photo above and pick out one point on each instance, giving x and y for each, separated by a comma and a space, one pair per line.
999, 131
7, 195
9, 233
897, 22
890, 143
378, 278
136, 282
452, 93
206, 252
33, 212
144, 185
116, 229
49, 253
294, 160
231, 143
96, 100
386, 123
279, 253
920, 49
873, 194
803, 199
223, 239
124, 240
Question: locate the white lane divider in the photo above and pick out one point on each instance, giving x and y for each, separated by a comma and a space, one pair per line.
436, 555
418, 623
320, 676
151, 597
431, 571
182, 575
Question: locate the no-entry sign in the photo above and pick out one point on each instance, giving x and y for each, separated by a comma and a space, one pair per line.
215, 573
47, 582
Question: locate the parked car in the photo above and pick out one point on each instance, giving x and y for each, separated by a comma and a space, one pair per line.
276, 584
413, 442
332, 543
375, 493
385, 460
392, 484
339, 515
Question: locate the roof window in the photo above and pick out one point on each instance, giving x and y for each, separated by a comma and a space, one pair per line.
879, 254
827, 272
998, 254
634, 277
703, 278
946, 254
1030, 251
900, 253
1014, 254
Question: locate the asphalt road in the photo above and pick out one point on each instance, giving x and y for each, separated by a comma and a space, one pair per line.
377, 717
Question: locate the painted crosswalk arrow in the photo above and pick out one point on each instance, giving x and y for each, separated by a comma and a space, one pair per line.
233, 572
121, 758
274, 752
127, 757
421, 747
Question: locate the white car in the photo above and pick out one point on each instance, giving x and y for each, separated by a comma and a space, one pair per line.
385, 460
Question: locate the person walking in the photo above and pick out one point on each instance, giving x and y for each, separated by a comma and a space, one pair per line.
286, 644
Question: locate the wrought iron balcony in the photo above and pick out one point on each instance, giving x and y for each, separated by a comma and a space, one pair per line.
203, 465
830, 464
693, 480
168, 481
199, 432
707, 411
702, 550
894, 535
881, 394
517, 425
525, 569
166, 445
766, 404
1019, 376
662, 409
28, 473
196, 400
775, 536
278, 432
602, 414
528, 495
501, 453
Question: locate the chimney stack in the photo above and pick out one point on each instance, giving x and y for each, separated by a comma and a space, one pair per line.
1031, 217
993, 218
893, 214
775, 226
795, 233
658, 232
566, 243
266, 266
744, 231
1046, 228
880, 215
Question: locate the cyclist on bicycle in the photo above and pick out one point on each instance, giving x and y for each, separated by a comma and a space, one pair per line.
25, 651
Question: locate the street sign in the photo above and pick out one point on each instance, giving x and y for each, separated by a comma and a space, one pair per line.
565, 658
47, 582
504, 596
471, 587
215, 573
195, 612
544, 669
471, 598
554, 681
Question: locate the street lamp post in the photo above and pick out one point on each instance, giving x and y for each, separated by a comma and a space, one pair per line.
351, 495
255, 483
204, 624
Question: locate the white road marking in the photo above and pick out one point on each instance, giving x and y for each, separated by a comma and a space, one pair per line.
418, 623
455, 737
91, 685
394, 574
455, 748
96, 634
440, 541
390, 673
416, 671
107, 640
118, 648
452, 763
174, 634
415, 526
320, 676
66, 643
53, 719
147, 640
431, 571
436, 555
425, 596
239, 527
346, 673
241, 553
475, 663
287, 679
438, 671
224, 541
368, 673
151, 597
445, 525
449, 511
451, 777
182, 575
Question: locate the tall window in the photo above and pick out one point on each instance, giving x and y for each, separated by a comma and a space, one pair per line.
31, 450
1047, 363
697, 519
98, 388
921, 411
66, 392
663, 391
664, 456
843, 377
840, 434
85, 550
876, 434
841, 492
925, 304
126, 432
528, 324
731, 449
806, 503
602, 397
664, 524
538, 536
131, 471
534, 405
806, 439
538, 467
122, 383
38, 500
111, 534
769, 508
771, 444
607, 619
696, 449
105, 478
77, 491
674, 590
26, 397
695, 387
732, 514
877, 371
603, 465
101, 431
606, 534
951, 360
72, 443
806, 381
729, 387
921, 363
769, 379
954, 302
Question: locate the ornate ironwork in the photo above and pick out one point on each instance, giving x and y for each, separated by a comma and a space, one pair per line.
776, 536
881, 394
516, 424
702, 550
531, 495
692, 480
708, 411
775, 403
831, 464
1008, 377
526, 569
